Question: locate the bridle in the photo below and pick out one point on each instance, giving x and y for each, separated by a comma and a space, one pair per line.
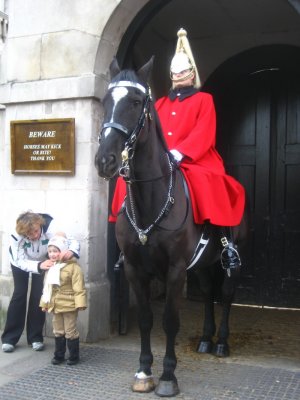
128, 152
131, 136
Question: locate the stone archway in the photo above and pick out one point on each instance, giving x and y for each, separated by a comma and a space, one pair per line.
129, 47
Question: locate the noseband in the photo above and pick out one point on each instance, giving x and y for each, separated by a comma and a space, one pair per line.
131, 136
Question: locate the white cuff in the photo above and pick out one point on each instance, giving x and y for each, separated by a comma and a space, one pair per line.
177, 155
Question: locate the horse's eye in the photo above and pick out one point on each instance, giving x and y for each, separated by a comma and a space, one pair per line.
136, 103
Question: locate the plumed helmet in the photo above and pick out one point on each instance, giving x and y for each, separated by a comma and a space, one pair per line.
183, 58
180, 62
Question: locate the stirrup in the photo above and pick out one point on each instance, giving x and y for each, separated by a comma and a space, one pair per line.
230, 258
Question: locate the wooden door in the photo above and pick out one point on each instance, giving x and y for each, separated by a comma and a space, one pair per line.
259, 139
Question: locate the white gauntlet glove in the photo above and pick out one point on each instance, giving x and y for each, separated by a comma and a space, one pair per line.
177, 155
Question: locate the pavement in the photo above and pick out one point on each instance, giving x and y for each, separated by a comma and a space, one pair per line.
264, 362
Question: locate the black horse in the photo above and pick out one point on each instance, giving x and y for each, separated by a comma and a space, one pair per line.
155, 229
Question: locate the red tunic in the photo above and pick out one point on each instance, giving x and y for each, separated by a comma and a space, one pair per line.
189, 126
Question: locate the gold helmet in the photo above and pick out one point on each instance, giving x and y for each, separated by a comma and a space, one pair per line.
183, 59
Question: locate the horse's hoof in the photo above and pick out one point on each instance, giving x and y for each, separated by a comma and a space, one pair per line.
205, 347
143, 385
221, 350
167, 389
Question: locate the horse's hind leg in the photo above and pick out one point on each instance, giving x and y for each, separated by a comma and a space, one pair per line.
205, 279
221, 348
209, 327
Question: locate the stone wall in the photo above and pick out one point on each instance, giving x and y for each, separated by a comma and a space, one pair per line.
54, 64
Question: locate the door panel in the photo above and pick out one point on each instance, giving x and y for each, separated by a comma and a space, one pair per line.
284, 270
259, 139
243, 140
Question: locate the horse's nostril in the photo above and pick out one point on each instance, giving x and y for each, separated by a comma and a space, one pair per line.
106, 164
111, 159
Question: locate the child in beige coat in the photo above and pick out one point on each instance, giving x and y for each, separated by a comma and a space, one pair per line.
64, 294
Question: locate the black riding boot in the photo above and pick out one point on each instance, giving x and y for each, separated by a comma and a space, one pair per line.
230, 258
60, 349
73, 347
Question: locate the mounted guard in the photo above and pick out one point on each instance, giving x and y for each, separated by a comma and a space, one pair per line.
188, 121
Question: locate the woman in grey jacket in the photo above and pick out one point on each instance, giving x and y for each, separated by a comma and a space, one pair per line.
28, 256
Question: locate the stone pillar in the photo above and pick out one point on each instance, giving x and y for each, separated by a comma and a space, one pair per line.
54, 64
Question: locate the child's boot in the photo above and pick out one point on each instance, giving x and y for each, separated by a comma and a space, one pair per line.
60, 349
73, 346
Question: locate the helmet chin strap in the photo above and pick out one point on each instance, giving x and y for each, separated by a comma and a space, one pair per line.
182, 78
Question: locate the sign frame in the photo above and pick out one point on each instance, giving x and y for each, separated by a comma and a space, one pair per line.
35, 148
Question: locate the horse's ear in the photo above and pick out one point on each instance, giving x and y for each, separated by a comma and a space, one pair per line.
114, 68
145, 71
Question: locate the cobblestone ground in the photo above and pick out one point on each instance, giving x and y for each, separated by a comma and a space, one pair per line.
106, 374
264, 363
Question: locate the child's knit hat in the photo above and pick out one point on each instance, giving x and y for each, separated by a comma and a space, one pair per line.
60, 242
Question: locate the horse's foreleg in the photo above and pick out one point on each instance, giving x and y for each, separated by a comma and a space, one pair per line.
167, 386
144, 381
145, 320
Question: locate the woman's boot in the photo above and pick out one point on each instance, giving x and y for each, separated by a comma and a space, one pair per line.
60, 349
73, 346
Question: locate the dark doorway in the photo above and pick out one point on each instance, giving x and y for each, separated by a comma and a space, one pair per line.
259, 139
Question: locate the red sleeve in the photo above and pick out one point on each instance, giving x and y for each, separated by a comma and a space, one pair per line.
189, 126
202, 135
